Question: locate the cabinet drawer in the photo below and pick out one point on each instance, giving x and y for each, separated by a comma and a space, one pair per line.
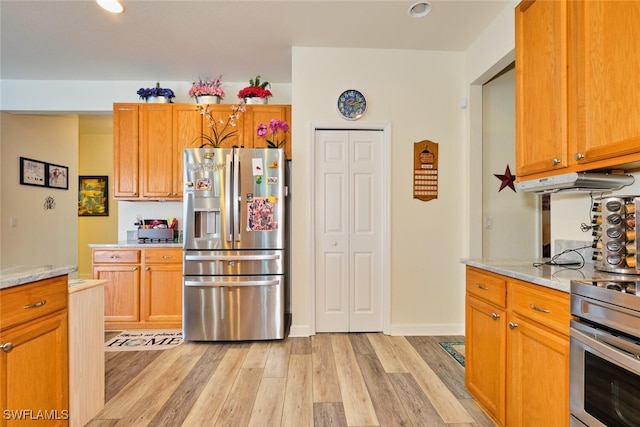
130, 256
162, 256
548, 307
487, 286
21, 304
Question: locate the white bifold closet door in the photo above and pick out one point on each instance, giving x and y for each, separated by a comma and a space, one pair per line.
348, 230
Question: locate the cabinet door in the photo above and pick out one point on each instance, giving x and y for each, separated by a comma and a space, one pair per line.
219, 118
125, 149
541, 86
156, 150
608, 41
538, 383
34, 373
187, 128
258, 114
161, 294
121, 292
485, 371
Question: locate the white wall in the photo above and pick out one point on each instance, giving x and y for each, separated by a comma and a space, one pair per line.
514, 231
87, 96
418, 93
42, 236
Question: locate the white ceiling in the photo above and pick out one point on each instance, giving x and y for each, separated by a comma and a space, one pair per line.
182, 40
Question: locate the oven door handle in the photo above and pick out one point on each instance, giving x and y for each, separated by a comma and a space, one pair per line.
586, 333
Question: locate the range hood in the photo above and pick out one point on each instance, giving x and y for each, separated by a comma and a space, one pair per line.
576, 181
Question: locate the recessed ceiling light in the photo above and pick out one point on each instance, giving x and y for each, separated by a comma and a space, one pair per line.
420, 9
112, 6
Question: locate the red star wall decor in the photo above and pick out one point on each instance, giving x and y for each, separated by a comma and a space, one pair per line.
507, 180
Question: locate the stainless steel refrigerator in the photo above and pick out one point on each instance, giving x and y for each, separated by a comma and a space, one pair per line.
234, 238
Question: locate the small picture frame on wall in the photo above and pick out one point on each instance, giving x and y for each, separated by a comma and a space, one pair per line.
33, 172
57, 176
93, 195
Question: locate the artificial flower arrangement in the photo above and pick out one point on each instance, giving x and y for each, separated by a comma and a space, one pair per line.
220, 129
273, 128
157, 91
256, 89
207, 88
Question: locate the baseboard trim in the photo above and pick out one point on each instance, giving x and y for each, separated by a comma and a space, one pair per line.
407, 329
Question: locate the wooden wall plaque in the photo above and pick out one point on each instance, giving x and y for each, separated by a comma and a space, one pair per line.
425, 170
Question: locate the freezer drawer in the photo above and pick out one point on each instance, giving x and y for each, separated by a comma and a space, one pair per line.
233, 308
233, 263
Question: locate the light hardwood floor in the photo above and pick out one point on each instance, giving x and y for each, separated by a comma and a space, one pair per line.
324, 380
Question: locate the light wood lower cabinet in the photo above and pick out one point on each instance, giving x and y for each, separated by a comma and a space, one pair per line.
143, 289
517, 361
34, 360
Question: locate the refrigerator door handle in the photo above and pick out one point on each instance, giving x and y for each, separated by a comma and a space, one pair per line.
236, 196
227, 196
227, 284
231, 257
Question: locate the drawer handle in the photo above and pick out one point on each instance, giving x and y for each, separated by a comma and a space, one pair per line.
495, 316
167, 256
7, 347
541, 310
483, 287
115, 257
36, 304
512, 325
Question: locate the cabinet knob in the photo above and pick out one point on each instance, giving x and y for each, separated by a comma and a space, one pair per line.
579, 156
167, 256
495, 316
7, 347
147, 268
555, 162
512, 325
134, 269
482, 287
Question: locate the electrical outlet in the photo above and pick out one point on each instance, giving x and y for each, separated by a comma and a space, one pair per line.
13, 221
488, 222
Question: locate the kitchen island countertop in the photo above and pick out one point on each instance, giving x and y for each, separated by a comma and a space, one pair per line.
21, 274
134, 244
529, 270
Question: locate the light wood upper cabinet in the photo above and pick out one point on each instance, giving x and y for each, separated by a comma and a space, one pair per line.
576, 90
607, 83
125, 149
541, 86
156, 150
220, 114
257, 114
149, 142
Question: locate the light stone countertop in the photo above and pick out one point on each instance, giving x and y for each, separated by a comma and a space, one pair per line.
134, 244
77, 285
21, 274
555, 277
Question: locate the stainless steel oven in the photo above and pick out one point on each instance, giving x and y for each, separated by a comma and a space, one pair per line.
605, 353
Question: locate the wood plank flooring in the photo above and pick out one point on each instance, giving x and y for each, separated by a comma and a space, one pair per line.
325, 380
